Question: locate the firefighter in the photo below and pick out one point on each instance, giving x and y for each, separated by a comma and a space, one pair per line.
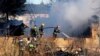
34, 32
21, 42
21, 46
56, 31
41, 30
32, 48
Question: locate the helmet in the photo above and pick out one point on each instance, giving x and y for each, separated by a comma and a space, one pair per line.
42, 24
31, 45
35, 27
58, 26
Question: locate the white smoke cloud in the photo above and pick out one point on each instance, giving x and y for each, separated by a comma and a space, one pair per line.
73, 14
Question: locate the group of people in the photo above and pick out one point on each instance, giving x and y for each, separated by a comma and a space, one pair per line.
39, 32
32, 43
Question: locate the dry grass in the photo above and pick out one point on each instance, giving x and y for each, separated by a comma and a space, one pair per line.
46, 47
8, 48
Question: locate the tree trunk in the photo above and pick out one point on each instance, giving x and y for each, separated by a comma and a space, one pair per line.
7, 26
7, 17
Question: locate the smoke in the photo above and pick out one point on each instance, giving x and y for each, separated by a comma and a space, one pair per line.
73, 15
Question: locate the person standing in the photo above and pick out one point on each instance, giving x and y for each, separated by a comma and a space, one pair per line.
41, 30
56, 31
34, 32
21, 46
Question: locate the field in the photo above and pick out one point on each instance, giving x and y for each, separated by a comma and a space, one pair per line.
8, 47
46, 46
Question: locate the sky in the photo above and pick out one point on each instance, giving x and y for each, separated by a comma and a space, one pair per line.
38, 1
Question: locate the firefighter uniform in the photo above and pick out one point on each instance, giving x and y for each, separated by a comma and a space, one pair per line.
56, 31
34, 32
41, 30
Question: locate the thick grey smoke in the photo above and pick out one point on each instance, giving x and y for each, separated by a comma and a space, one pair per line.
73, 15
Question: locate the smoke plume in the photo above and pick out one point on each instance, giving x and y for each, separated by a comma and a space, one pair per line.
73, 15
